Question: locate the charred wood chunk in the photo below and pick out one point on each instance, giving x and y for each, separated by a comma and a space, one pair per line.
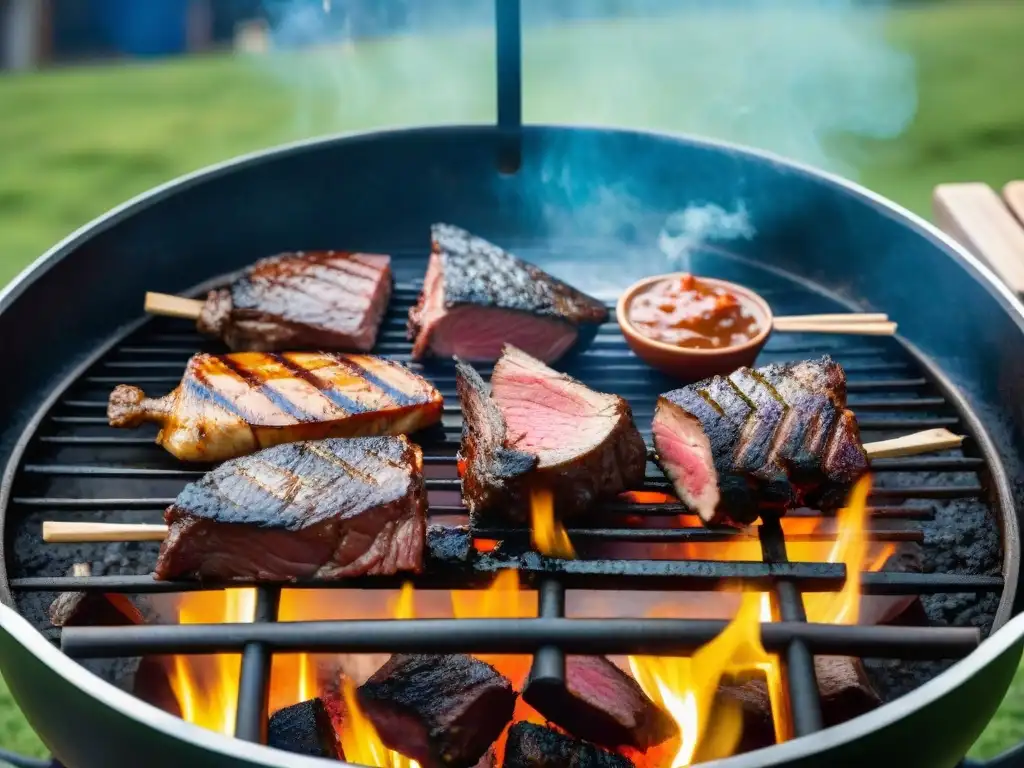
91, 609
438, 710
534, 746
602, 704
305, 729
843, 687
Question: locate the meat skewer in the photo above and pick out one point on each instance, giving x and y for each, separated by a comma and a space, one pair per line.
542, 429
231, 405
56, 532
318, 509
314, 299
476, 297
778, 436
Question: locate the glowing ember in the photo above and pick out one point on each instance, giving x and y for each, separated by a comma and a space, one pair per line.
547, 533
207, 686
359, 739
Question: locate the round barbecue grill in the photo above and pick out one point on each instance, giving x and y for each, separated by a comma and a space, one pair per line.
821, 245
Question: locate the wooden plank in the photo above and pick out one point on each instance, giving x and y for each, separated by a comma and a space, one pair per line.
1013, 194
978, 218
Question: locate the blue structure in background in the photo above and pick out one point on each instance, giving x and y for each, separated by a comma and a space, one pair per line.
145, 27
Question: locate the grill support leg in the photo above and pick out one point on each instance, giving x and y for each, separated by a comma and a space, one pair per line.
254, 674
509, 49
549, 662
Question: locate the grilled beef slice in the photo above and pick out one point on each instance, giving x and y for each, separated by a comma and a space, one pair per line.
303, 300
534, 746
234, 404
327, 509
476, 297
778, 436
438, 710
305, 729
540, 428
602, 704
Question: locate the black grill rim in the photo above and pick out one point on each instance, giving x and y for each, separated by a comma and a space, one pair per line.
548, 660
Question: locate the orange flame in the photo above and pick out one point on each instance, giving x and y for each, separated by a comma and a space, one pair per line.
686, 687
207, 686
359, 739
546, 532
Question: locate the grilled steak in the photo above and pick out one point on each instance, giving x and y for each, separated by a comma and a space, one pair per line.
778, 436
476, 297
438, 710
541, 428
305, 729
319, 300
534, 746
327, 509
231, 405
602, 704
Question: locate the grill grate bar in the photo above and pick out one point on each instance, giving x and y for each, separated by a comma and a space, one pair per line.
254, 673
548, 667
596, 574
60, 502
677, 637
916, 464
797, 661
688, 535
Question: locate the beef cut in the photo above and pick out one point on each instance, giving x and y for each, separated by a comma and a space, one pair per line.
602, 704
302, 300
438, 710
476, 297
778, 436
231, 405
305, 729
327, 509
542, 429
535, 746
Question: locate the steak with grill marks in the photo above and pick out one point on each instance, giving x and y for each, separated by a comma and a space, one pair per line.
539, 428
438, 710
316, 299
535, 746
231, 405
326, 509
476, 297
778, 436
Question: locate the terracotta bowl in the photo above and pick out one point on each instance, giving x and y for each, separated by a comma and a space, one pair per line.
691, 365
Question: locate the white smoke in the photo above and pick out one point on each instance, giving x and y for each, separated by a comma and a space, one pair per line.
686, 231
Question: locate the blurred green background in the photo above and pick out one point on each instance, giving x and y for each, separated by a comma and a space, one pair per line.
75, 141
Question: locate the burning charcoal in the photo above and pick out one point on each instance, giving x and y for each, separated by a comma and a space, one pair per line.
489, 760
305, 729
534, 746
602, 704
85, 609
842, 684
438, 710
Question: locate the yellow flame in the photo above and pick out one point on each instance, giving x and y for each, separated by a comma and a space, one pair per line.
547, 533
207, 686
359, 739
851, 549
686, 687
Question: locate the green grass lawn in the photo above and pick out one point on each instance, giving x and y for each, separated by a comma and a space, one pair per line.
75, 142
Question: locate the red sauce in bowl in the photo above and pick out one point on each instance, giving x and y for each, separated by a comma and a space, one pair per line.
685, 312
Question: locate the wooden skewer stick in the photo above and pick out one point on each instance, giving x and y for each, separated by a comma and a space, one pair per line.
172, 306
72, 533
842, 318
860, 329
929, 441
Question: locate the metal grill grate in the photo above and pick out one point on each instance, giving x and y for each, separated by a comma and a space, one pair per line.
76, 464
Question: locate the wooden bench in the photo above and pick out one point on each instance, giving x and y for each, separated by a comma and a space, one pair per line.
990, 225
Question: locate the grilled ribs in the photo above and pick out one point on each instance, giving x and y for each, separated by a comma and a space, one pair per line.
234, 404
316, 299
542, 429
477, 297
319, 509
778, 436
